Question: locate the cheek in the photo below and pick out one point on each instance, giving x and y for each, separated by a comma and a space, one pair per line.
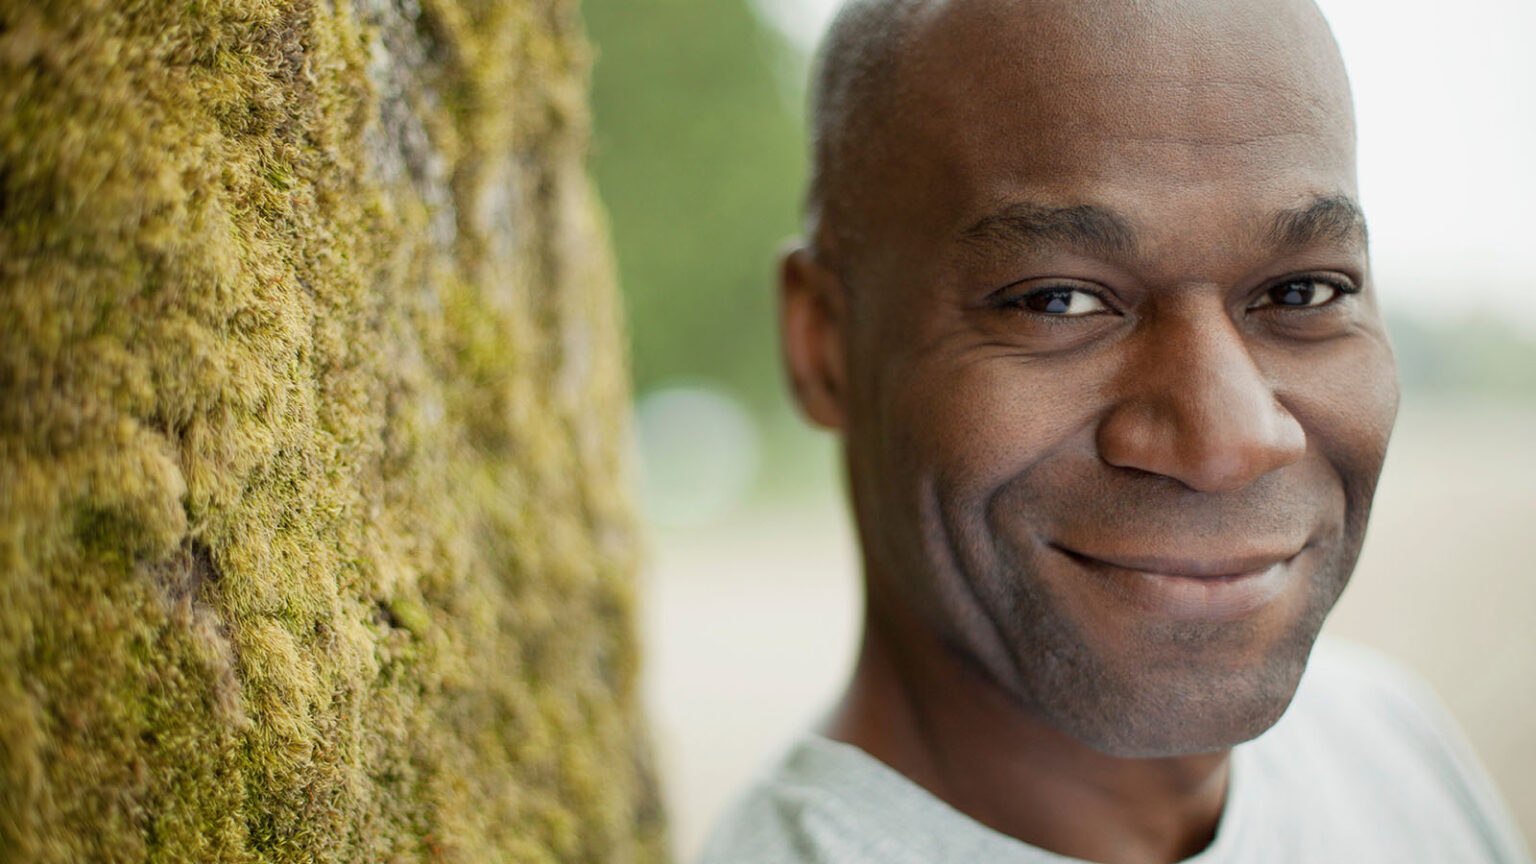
935, 438
1345, 395
973, 423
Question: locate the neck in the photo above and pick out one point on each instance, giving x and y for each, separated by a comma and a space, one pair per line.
934, 719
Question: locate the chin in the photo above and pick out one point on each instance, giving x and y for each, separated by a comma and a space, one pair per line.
1182, 714
1192, 691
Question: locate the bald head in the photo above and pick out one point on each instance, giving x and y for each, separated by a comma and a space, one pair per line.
851, 93
890, 73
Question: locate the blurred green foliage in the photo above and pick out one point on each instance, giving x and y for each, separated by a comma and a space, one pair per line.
1474, 356
699, 160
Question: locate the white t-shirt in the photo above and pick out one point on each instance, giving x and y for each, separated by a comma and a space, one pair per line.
1364, 767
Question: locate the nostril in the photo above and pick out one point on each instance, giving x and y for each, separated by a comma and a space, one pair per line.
1204, 446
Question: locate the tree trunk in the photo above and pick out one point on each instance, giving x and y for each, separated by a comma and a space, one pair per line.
314, 539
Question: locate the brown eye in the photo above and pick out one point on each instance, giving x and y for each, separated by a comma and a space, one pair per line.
1062, 302
1299, 294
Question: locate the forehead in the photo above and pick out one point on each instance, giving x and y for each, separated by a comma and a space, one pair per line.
1152, 108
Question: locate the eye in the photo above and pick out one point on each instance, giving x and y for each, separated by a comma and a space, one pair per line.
1301, 294
1061, 302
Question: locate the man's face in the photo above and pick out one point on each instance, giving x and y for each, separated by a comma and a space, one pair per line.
1118, 389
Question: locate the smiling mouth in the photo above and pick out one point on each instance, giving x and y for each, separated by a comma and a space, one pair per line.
1213, 568
1212, 588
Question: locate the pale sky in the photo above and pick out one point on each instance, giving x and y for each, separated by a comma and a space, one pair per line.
1445, 95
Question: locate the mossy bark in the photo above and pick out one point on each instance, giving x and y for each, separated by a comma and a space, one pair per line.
313, 539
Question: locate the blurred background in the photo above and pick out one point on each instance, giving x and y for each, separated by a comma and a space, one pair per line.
750, 598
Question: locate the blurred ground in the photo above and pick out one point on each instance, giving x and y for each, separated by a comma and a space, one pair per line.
750, 624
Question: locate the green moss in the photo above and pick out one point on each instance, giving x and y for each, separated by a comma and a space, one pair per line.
312, 540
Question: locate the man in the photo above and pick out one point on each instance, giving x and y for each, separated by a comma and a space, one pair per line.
1086, 296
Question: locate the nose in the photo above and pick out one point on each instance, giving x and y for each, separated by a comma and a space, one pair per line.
1192, 405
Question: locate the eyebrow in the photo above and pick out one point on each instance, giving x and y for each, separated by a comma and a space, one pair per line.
1333, 218
1102, 232
1091, 229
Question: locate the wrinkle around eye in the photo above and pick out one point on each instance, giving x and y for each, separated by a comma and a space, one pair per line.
1309, 300
1083, 317
1069, 303
1340, 313
1331, 293
1061, 302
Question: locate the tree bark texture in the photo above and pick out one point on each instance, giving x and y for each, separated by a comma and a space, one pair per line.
314, 544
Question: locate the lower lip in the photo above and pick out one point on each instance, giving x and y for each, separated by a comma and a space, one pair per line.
1214, 598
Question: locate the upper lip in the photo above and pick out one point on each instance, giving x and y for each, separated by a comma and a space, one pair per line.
1191, 567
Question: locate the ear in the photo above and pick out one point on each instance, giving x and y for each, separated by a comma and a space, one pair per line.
812, 336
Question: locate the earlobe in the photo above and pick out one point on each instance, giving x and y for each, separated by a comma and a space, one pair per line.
811, 336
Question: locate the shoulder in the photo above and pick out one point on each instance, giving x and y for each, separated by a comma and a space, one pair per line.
1354, 698
789, 815
1349, 686
1366, 737
832, 803
1359, 712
